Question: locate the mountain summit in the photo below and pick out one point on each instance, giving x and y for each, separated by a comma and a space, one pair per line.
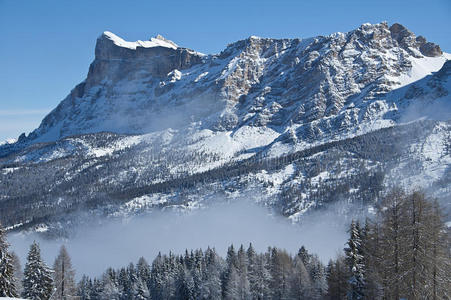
293, 117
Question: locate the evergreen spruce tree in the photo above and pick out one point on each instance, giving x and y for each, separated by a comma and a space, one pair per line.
318, 277
97, 289
185, 285
108, 288
124, 285
252, 271
198, 272
142, 292
354, 260
157, 278
262, 278
85, 288
231, 261
300, 281
304, 255
143, 270
38, 282
7, 280
232, 285
244, 288
211, 283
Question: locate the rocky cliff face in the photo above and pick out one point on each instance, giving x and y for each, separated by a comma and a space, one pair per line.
263, 103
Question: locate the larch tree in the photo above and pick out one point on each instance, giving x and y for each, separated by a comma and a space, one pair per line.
300, 281
393, 231
439, 256
63, 276
407, 249
371, 248
415, 264
337, 279
18, 273
280, 268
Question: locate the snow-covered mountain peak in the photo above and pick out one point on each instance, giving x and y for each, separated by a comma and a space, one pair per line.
316, 85
159, 37
158, 41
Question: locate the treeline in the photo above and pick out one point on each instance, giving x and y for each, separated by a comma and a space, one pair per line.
243, 274
403, 252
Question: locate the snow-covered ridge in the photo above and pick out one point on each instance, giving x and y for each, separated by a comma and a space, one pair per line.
8, 141
336, 82
157, 41
421, 67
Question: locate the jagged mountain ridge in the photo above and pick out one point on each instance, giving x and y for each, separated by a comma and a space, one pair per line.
257, 81
189, 113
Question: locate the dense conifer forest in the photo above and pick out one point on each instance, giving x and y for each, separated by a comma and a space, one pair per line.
403, 252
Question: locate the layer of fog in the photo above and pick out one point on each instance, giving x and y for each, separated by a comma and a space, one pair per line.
438, 109
118, 243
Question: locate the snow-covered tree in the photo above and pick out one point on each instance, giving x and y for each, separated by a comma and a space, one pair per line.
143, 270
109, 286
7, 280
211, 283
232, 285
354, 260
244, 288
38, 282
85, 288
318, 277
300, 280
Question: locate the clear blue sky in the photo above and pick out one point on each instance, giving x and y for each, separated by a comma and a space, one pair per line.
46, 46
